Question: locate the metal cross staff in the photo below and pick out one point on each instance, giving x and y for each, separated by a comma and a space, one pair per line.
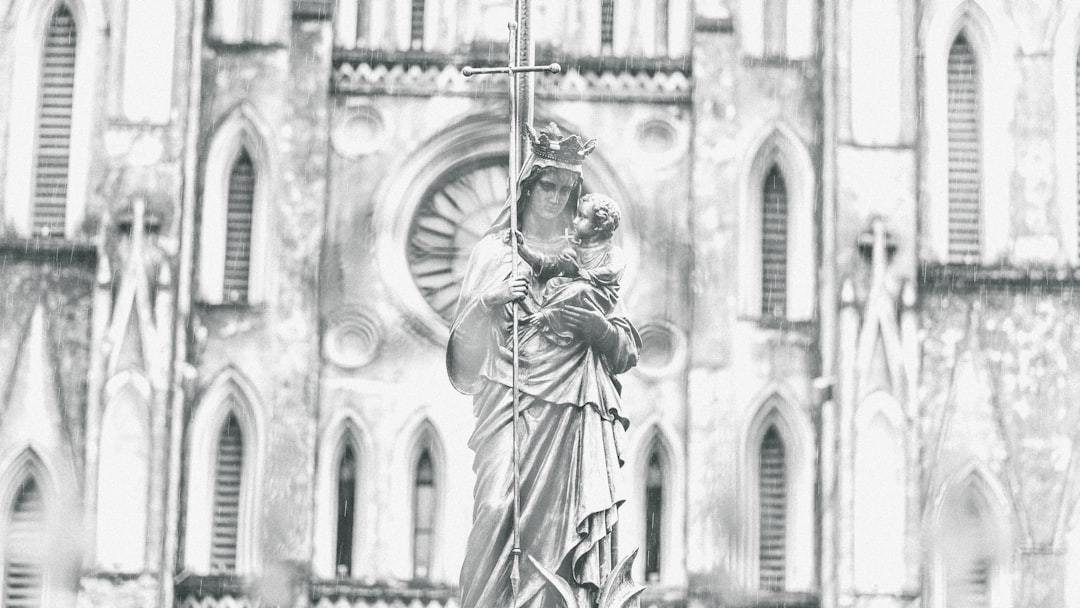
519, 43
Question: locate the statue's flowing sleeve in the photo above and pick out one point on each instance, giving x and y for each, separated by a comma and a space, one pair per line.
619, 345
473, 334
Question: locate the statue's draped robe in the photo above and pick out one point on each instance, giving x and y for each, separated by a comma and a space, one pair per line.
567, 437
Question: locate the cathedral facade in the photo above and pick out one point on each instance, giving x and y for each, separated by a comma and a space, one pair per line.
233, 233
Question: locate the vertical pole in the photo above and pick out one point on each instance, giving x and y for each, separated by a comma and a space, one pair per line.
523, 116
515, 168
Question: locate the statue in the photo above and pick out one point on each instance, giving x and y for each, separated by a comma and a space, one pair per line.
558, 498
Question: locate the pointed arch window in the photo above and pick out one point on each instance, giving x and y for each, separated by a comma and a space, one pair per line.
235, 229
969, 548
607, 25
346, 511
228, 474
423, 515
772, 494
416, 26
241, 206
55, 108
654, 514
965, 175
22, 546
774, 250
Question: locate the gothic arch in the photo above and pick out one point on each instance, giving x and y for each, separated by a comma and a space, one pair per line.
30, 21
991, 35
880, 495
241, 129
229, 393
28, 463
122, 502
424, 436
778, 409
659, 436
777, 145
980, 488
344, 428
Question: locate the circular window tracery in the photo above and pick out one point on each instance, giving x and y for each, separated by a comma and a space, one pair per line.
451, 218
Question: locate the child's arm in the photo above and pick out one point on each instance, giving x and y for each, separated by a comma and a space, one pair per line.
562, 265
544, 266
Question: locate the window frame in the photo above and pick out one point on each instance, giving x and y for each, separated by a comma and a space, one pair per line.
242, 129
228, 393
32, 20
779, 408
778, 145
991, 36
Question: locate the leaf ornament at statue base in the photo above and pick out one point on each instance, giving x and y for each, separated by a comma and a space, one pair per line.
618, 590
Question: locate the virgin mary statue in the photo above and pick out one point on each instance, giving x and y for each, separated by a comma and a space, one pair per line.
569, 425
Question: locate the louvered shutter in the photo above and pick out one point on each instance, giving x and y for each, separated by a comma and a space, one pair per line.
423, 516
607, 25
417, 25
23, 549
774, 235
654, 504
964, 154
53, 150
241, 205
346, 511
228, 472
969, 585
772, 492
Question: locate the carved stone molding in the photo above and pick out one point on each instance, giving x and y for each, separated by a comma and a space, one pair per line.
357, 71
352, 338
663, 349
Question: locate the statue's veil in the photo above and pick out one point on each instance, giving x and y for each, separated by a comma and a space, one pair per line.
530, 171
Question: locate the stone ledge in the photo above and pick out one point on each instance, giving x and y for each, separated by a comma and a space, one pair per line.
718, 25
714, 598
412, 73
971, 278
317, 10
211, 586
49, 250
356, 594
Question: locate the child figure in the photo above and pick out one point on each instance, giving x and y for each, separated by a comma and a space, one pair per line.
586, 274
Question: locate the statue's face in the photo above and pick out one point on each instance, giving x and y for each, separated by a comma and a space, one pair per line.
550, 193
582, 224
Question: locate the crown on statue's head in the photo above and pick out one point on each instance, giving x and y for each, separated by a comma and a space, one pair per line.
559, 150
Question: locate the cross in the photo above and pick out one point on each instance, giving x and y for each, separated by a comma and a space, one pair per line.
520, 51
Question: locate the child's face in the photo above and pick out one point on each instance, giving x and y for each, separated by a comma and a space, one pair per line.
582, 224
